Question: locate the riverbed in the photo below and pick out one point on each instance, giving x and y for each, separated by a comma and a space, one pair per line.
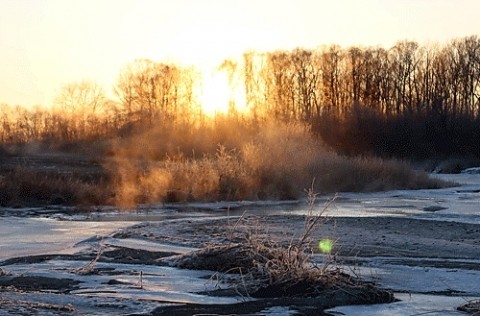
423, 245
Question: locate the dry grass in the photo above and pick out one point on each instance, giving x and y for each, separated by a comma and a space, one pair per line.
268, 268
472, 308
274, 269
24, 187
230, 158
237, 160
369, 174
286, 267
89, 268
38, 308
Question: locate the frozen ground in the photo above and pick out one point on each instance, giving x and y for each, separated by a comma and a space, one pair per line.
424, 245
28, 236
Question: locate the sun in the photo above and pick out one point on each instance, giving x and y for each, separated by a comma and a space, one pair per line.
207, 45
220, 93
215, 95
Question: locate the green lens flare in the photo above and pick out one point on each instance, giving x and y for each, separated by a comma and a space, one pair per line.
325, 245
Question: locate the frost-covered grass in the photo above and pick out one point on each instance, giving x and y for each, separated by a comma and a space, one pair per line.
24, 187
245, 161
472, 307
228, 159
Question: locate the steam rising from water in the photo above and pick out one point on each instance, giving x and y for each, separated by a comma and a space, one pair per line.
232, 159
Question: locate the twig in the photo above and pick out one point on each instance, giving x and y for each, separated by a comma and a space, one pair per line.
309, 224
236, 224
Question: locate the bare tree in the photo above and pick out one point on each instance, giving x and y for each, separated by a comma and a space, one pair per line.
147, 89
81, 97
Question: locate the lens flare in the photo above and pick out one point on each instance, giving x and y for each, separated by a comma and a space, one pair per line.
325, 245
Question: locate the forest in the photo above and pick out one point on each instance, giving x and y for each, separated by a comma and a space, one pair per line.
351, 118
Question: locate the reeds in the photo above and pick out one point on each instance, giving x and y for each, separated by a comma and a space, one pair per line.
226, 159
27, 187
268, 161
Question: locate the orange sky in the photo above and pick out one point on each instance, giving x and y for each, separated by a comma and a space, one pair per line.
47, 43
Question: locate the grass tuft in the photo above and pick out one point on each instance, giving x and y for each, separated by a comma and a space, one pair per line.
267, 268
472, 307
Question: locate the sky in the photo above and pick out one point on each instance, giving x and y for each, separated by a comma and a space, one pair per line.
46, 44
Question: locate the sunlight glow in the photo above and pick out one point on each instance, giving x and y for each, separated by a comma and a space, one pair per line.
221, 93
202, 33
216, 93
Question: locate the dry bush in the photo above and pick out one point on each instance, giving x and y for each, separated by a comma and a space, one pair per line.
179, 139
259, 258
269, 268
221, 177
280, 157
252, 166
287, 266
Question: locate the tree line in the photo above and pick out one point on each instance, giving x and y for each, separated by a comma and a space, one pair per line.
410, 100
146, 93
405, 79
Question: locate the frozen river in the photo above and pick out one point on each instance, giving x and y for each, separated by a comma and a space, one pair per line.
459, 203
26, 236
422, 289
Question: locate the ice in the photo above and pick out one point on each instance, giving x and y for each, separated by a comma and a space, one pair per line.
424, 286
410, 304
35, 236
146, 245
459, 203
